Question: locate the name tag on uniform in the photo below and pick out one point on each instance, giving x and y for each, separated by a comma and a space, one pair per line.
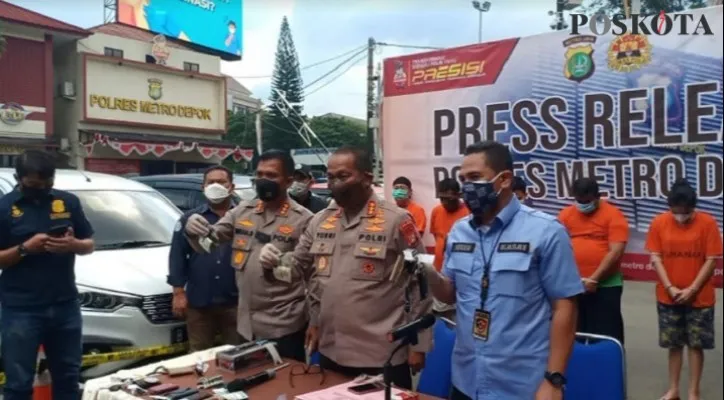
263, 237
514, 247
463, 247
481, 324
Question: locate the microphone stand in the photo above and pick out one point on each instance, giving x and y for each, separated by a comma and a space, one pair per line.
387, 369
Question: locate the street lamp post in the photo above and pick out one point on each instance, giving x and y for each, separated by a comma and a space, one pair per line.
482, 7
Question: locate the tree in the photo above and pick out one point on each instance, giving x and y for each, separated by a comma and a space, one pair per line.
648, 7
336, 132
3, 45
241, 132
281, 125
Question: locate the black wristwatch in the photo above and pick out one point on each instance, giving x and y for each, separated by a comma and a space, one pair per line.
22, 251
556, 379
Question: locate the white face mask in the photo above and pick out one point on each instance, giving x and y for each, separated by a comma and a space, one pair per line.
683, 218
298, 189
216, 193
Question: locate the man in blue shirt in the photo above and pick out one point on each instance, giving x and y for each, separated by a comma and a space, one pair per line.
511, 272
42, 231
204, 287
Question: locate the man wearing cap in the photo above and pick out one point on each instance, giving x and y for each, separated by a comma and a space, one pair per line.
299, 190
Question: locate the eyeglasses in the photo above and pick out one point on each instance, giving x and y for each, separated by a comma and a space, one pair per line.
303, 369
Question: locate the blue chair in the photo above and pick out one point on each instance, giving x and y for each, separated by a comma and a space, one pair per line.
596, 369
436, 377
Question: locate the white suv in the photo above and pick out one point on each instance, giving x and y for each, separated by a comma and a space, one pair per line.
124, 296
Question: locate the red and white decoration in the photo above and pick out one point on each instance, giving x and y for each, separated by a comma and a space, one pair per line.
161, 149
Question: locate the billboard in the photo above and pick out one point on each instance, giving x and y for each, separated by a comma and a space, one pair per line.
214, 24
636, 112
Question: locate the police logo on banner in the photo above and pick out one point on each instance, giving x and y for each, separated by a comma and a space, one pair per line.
579, 64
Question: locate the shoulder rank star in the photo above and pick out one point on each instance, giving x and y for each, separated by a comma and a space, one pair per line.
371, 208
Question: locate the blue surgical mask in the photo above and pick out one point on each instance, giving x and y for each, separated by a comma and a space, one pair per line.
480, 196
587, 208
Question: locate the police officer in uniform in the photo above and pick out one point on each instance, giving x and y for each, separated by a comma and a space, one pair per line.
204, 290
352, 247
511, 272
42, 230
272, 301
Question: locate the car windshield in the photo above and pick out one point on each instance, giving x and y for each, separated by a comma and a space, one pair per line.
129, 219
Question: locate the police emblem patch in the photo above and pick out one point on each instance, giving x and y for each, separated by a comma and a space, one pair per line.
58, 206
323, 263
368, 268
579, 64
239, 257
628, 53
409, 232
16, 212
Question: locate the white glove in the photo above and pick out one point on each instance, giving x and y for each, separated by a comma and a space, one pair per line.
197, 226
269, 256
283, 274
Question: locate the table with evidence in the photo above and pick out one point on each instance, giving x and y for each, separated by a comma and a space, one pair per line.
291, 381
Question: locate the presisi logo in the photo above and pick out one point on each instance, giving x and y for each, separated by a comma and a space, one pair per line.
449, 71
660, 24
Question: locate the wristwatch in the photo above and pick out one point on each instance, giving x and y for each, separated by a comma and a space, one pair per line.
556, 379
22, 251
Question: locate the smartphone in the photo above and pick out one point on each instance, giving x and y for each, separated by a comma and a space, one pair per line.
365, 388
58, 230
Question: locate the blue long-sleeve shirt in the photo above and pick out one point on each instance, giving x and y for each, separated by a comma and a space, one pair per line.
209, 278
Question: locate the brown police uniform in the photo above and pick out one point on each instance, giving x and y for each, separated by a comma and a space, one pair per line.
268, 308
352, 300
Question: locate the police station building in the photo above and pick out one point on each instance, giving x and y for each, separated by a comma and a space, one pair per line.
132, 102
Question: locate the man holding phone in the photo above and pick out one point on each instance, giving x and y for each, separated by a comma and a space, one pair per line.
43, 229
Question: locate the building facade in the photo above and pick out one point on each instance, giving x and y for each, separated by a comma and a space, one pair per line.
27, 79
239, 98
135, 103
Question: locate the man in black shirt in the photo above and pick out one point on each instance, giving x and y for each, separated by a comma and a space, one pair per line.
299, 190
42, 231
204, 284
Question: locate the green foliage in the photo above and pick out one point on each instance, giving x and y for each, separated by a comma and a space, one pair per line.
279, 131
336, 132
3, 45
648, 7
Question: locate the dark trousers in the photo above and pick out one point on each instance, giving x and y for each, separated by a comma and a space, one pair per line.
600, 312
290, 346
205, 324
455, 394
400, 374
58, 328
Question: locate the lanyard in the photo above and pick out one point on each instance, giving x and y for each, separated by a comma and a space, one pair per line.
485, 281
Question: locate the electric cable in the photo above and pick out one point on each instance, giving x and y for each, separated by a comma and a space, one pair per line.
325, 84
340, 65
318, 63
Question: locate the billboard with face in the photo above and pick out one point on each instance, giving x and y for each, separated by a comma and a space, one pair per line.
214, 24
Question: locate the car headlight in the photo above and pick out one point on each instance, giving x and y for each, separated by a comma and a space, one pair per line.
101, 300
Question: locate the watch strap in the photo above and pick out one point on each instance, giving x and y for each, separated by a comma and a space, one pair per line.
556, 379
22, 251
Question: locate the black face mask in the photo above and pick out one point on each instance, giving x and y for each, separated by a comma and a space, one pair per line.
344, 194
34, 193
450, 205
267, 190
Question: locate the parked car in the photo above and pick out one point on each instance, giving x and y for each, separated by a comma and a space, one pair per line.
185, 190
124, 297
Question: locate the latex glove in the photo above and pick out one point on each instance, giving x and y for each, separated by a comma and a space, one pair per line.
269, 256
197, 226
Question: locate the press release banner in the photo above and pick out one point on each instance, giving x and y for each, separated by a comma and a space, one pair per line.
636, 112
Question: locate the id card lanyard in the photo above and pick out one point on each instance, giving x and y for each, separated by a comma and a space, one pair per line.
482, 317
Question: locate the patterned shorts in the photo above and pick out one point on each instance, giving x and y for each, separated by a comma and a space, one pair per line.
681, 325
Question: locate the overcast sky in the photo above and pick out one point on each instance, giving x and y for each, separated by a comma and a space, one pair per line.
325, 28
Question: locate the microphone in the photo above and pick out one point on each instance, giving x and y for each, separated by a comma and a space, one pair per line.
412, 328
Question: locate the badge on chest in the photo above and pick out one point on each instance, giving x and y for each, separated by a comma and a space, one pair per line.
481, 324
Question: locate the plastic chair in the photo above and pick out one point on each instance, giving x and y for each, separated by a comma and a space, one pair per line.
596, 369
436, 377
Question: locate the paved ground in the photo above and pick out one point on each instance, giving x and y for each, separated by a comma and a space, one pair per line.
647, 368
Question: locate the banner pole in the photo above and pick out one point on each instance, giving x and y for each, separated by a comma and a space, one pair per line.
626, 9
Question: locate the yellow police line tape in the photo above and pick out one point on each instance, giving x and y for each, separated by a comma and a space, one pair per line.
123, 355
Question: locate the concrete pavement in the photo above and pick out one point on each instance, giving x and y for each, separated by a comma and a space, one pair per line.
647, 365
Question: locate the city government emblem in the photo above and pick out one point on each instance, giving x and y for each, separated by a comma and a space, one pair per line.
155, 88
628, 53
579, 64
